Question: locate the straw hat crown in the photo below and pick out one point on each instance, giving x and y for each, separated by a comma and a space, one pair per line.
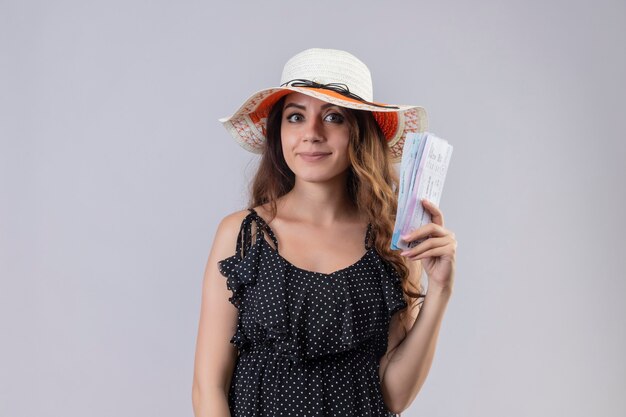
327, 66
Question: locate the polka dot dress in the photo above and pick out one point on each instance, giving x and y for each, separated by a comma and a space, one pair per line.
309, 343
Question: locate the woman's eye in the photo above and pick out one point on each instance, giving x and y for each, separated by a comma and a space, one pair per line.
294, 117
334, 117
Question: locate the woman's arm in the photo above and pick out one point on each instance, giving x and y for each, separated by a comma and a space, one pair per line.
408, 367
215, 355
410, 362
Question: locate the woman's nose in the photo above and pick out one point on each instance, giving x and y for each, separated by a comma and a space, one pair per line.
314, 129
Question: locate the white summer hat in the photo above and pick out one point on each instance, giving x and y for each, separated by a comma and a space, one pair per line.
333, 76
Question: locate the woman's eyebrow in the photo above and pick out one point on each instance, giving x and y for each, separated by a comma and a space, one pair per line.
300, 106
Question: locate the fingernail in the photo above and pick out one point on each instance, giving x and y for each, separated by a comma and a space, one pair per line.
404, 253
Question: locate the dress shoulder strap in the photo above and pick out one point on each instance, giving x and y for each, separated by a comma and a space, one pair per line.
244, 239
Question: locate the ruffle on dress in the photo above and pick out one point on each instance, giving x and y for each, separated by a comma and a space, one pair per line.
239, 275
248, 285
283, 316
391, 284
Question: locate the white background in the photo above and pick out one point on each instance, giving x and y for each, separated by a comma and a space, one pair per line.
115, 172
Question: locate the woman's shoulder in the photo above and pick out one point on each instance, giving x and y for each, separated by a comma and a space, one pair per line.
230, 225
231, 222
227, 233
238, 216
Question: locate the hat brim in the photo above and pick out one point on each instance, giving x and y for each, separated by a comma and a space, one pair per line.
247, 124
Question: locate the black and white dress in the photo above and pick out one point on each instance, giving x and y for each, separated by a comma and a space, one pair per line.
309, 343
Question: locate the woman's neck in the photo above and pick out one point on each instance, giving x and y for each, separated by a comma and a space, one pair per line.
318, 204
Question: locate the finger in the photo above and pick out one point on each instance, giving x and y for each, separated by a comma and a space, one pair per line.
437, 252
435, 214
426, 245
429, 229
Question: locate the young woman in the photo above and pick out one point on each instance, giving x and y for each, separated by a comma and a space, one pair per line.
301, 289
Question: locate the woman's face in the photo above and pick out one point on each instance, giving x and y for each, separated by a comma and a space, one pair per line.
309, 126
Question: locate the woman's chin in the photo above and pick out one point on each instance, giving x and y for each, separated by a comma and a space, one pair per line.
317, 175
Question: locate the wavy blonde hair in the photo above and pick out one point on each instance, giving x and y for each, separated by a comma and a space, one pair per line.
372, 185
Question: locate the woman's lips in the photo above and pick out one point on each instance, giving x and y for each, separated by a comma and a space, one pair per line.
313, 158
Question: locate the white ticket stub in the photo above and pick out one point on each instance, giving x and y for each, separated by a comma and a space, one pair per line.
425, 161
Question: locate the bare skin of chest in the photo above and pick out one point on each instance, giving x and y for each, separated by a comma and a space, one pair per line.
318, 249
